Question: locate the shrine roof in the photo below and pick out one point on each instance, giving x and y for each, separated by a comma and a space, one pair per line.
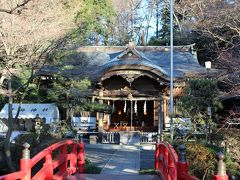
156, 57
95, 60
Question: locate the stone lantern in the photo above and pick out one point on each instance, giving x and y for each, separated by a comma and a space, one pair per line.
38, 125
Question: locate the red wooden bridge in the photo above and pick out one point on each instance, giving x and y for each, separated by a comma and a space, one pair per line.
65, 160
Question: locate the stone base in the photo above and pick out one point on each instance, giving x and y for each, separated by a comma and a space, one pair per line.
93, 139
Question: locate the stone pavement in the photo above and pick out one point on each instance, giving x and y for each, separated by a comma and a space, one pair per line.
124, 161
118, 162
147, 158
129, 138
99, 156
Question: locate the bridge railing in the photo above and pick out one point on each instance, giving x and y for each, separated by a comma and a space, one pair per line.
166, 161
175, 167
59, 160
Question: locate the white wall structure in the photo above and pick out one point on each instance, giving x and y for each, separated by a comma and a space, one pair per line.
49, 112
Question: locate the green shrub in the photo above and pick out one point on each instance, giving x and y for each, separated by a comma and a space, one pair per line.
229, 139
147, 171
201, 160
90, 168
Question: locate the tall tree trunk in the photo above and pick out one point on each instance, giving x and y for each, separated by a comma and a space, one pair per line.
11, 122
97, 41
7, 150
132, 22
143, 43
157, 19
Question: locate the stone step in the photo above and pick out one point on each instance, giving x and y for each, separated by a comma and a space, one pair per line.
129, 138
112, 177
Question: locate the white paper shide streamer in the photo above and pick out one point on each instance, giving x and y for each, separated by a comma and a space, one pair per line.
125, 107
135, 107
145, 108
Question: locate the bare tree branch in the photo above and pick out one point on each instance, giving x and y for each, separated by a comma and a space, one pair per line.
16, 8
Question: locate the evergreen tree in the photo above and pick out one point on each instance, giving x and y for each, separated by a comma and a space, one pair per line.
95, 19
163, 28
199, 95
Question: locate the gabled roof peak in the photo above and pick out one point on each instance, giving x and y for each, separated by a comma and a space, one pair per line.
131, 45
131, 53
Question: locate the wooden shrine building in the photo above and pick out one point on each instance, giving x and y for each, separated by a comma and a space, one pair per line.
135, 80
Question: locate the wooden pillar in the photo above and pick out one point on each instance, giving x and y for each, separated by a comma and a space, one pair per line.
160, 118
155, 111
99, 117
164, 104
100, 94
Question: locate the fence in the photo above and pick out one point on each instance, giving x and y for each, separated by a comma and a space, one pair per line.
148, 137
109, 137
62, 165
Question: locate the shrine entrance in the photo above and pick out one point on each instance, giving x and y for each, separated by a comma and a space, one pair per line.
134, 100
132, 115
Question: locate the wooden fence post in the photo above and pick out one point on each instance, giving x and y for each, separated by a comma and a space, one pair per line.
182, 165
80, 158
220, 168
25, 162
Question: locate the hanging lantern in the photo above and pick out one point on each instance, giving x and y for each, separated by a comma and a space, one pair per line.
125, 107
145, 108
135, 107
119, 112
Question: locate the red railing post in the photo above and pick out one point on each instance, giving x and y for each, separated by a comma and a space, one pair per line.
172, 171
220, 168
182, 165
80, 158
161, 154
76, 159
165, 162
73, 159
48, 165
63, 156
25, 163
156, 163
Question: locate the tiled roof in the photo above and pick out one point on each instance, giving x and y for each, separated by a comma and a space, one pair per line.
94, 61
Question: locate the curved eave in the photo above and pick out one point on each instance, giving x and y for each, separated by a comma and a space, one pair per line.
134, 65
